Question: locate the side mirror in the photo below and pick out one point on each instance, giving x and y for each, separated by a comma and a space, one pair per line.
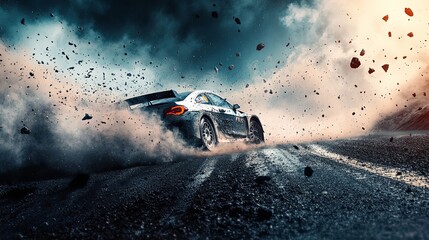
235, 107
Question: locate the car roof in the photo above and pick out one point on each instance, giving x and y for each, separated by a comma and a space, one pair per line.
197, 92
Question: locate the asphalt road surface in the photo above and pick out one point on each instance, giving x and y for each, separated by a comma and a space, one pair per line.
374, 187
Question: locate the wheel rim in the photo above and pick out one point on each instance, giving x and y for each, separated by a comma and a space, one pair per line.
208, 134
254, 132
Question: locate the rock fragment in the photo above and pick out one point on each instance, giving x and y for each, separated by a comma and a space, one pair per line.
79, 181
262, 179
86, 117
25, 130
308, 171
260, 46
354, 63
409, 12
264, 214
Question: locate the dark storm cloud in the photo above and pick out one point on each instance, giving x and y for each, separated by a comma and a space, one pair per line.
114, 19
183, 31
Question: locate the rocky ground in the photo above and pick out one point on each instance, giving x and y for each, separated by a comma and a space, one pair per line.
373, 187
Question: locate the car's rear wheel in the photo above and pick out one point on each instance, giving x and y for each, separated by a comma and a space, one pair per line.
256, 133
208, 134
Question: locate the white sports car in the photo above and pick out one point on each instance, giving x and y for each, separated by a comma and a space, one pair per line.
202, 117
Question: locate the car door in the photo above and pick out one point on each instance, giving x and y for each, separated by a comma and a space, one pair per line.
230, 122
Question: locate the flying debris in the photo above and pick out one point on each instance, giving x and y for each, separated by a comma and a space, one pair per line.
385, 18
308, 171
260, 46
52, 15
238, 54
86, 117
385, 67
264, 214
216, 69
355, 63
410, 34
215, 14
23, 21
409, 12
389, 34
371, 70
262, 179
237, 20
25, 130
231, 67
79, 181
362, 52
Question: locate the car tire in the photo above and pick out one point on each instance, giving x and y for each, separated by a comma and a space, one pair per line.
208, 134
256, 133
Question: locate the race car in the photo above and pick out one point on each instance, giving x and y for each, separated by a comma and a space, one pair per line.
203, 118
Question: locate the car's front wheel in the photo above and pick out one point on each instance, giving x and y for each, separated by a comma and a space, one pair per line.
208, 134
256, 133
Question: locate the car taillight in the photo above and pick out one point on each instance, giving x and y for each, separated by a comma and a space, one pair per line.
175, 110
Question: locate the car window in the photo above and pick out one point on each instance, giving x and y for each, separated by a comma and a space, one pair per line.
218, 101
202, 98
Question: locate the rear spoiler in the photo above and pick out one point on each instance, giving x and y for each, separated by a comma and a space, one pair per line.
152, 96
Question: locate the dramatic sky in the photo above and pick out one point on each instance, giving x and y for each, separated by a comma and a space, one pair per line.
178, 42
301, 84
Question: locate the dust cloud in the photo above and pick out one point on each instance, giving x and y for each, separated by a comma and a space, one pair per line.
57, 139
317, 94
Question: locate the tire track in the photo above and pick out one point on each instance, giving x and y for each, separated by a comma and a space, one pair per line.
404, 176
276, 163
201, 175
